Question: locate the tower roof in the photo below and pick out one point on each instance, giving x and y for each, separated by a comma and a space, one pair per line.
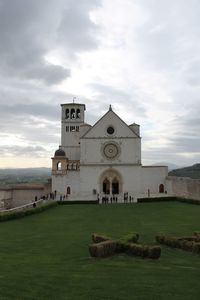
73, 104
60, 152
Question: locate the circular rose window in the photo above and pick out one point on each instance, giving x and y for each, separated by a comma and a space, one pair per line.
110, 130
111, 151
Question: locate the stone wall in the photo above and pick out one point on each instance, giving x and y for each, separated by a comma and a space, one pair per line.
184, 187
21, 194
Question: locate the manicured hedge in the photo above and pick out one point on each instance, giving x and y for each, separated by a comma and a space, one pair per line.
165, 199
156, 199
131, 237
97, 238
103, 249
191, 244
21, 214
103, 246
189, 201
68, 202
143, 251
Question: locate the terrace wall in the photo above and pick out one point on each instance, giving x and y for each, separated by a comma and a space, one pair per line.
184, 187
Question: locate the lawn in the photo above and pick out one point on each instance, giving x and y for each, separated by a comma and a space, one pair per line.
45, 256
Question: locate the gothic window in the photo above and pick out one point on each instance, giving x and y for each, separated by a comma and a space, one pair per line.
67, 113
73, 116
59, 166
68, 190
78, 113
161, 188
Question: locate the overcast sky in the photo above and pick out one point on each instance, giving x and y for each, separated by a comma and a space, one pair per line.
141, 56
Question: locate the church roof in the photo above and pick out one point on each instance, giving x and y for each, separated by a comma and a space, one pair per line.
108, 112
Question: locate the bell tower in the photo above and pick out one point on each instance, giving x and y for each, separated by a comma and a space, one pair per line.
72, 117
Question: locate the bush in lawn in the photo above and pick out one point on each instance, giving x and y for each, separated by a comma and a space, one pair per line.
197, 233
187, 246
154, 252
196, 248
97, 238
190, 244
131, 237
138, 250
23, 213
160, 239
190, 238
168, 240
103, 249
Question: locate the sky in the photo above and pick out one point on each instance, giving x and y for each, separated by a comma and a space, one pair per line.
141, 56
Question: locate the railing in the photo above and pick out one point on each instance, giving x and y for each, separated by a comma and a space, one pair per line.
25, 207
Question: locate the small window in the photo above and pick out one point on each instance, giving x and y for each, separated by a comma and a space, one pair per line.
77, 128
67, 128
68, 190
72, 128
161, 188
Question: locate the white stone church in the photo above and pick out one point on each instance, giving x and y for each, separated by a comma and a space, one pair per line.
103, 159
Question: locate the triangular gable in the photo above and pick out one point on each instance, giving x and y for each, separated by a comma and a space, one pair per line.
99, 129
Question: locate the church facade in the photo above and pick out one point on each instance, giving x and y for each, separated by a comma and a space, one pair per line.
102, 160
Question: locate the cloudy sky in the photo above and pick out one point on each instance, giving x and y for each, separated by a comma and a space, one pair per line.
141, 56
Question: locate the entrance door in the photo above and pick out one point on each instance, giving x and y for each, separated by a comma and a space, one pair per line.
115, 186
106, 186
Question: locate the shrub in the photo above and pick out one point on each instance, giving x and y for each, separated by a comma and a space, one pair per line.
71, 202
187, 246
197, 234
190, 201
156, 199
196, 248
186, 243
23, 213
154, 252
131, 237
97, 238
122, 247
160, 239
143, 251
103, 249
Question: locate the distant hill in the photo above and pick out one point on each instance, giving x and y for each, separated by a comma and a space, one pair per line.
170, 165
27, 175
192, 172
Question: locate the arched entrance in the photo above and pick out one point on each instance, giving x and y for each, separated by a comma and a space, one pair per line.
111, 182
106, 186
115, 186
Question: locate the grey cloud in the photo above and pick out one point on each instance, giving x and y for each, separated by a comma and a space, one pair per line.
169, 38
76, 29
29, 30
36, 151
108, 95
192, 73
24, 36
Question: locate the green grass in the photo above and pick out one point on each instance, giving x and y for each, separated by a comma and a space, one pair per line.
46, 256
